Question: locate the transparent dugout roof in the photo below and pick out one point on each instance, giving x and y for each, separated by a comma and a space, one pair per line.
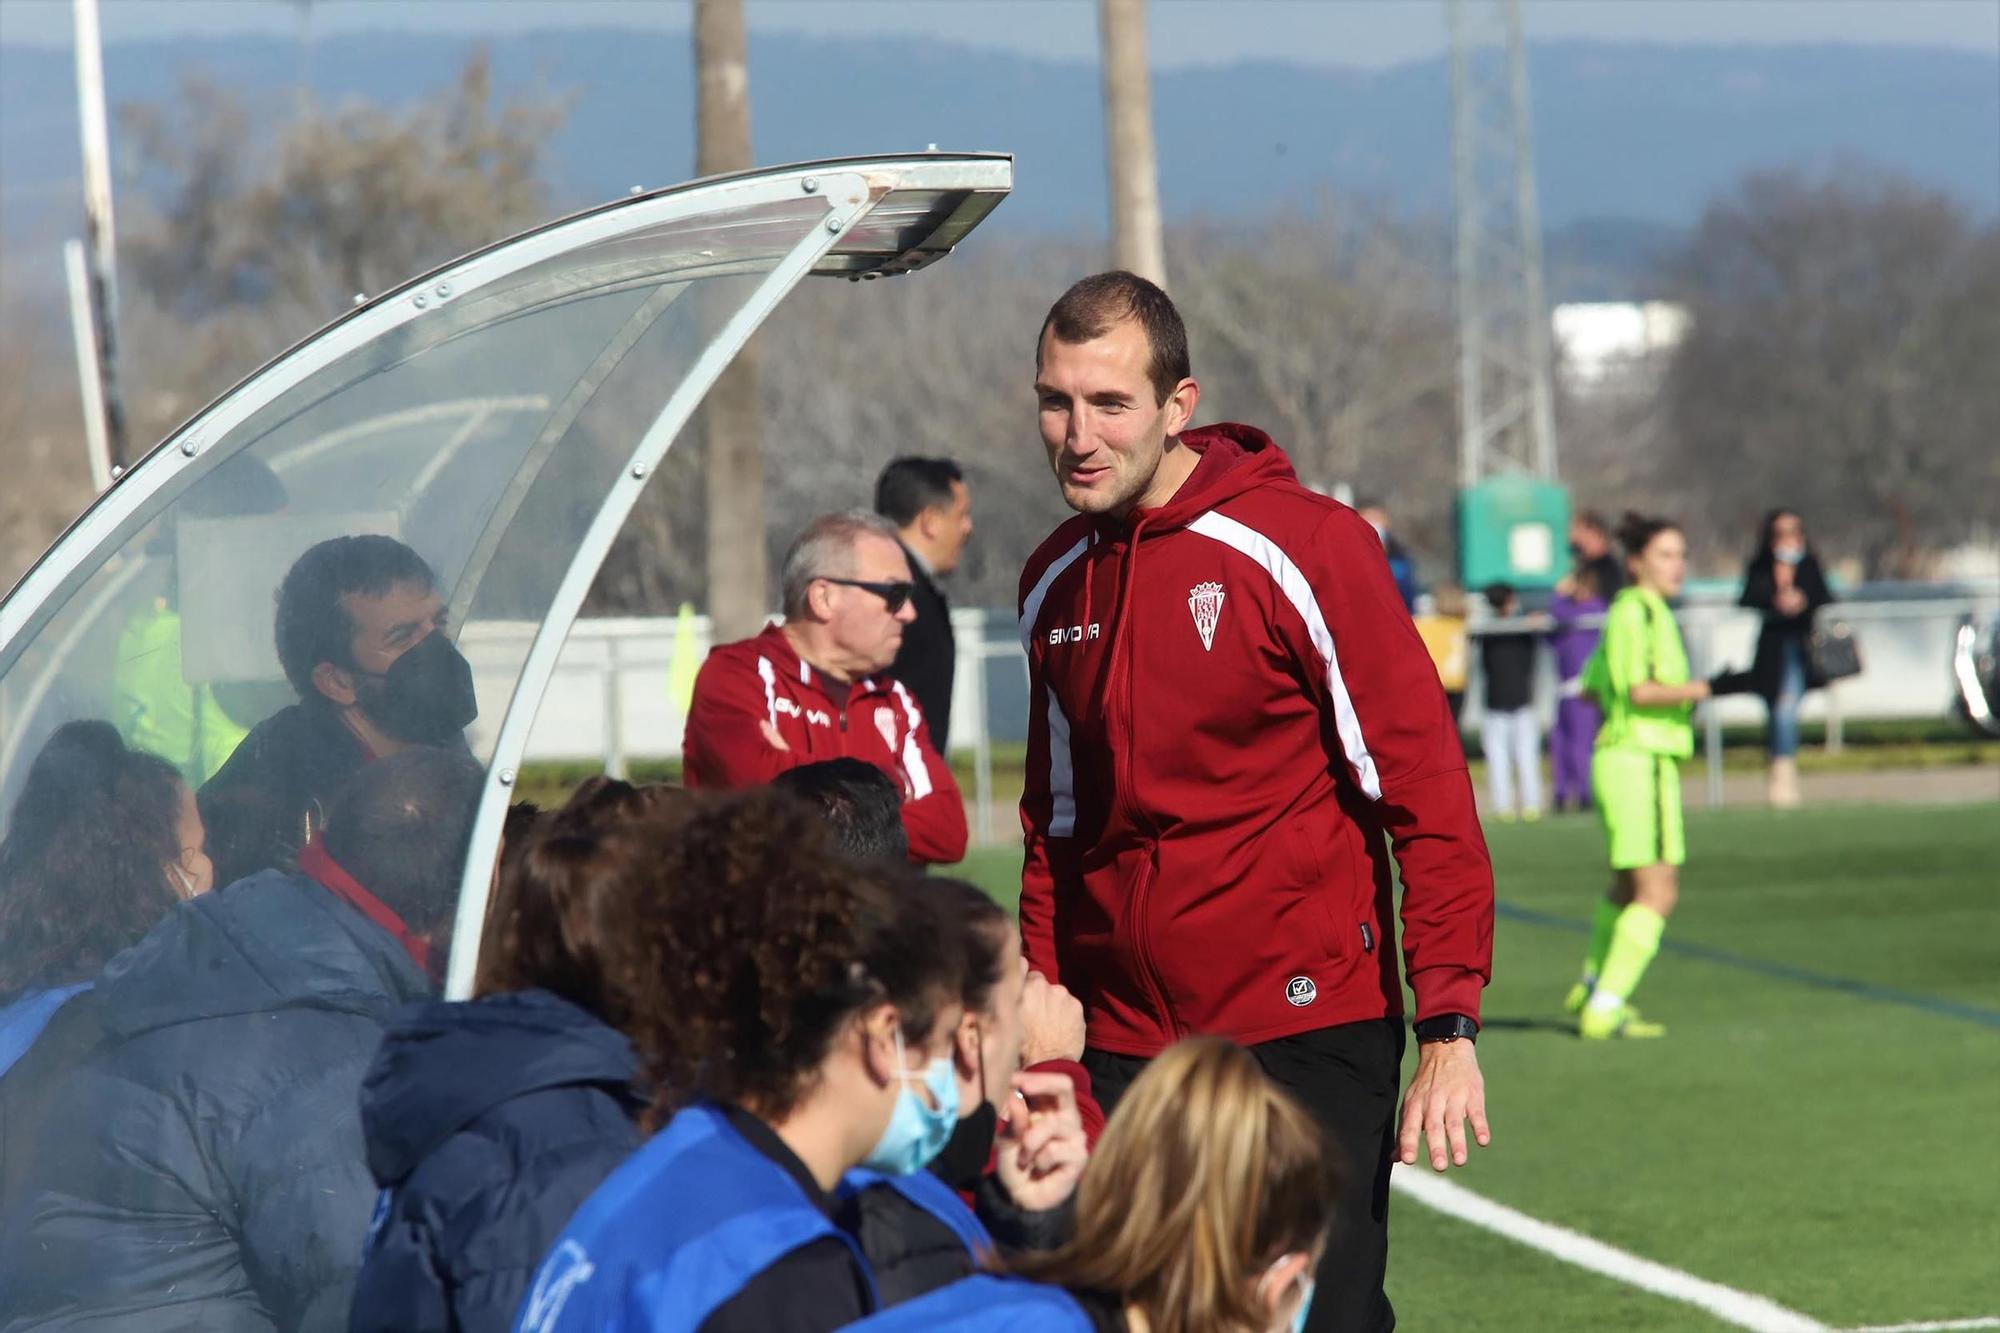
498, 417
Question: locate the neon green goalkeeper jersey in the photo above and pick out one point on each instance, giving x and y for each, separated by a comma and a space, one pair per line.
1641, 642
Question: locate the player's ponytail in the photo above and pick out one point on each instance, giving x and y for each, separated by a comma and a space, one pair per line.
1636, 531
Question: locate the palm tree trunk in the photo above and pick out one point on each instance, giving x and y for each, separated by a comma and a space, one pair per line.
732, 420
1128, 129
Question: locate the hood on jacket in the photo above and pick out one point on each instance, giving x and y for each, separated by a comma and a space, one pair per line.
1234, 459
443, 1065
272, 941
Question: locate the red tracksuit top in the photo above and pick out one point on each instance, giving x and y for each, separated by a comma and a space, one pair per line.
1228, 708
745, 684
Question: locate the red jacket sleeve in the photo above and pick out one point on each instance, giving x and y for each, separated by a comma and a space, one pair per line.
1086, 1104
934, 813
724, 744
1402, 750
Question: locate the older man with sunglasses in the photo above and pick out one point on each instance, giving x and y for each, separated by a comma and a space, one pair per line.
812, 687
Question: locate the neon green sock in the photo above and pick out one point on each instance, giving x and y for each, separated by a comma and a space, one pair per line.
1601, 926
1634, 941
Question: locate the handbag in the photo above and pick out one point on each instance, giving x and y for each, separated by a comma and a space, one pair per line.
1832, 651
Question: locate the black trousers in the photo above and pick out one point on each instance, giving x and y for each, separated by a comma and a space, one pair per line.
1347, 1076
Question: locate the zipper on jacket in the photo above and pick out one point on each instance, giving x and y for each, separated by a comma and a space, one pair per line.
1142, 941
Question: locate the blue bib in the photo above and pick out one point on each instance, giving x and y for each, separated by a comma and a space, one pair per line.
23, 1021
983, 1304
676, 1231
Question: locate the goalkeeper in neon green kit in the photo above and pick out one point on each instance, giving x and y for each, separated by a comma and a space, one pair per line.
1639, 676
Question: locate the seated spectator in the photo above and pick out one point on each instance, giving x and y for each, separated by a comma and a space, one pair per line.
361, 636
103, 840
863, 809
489, 1121
813, 687
1204, 1208
1019, 1195
1044, 1021
211, 1174
795, 1013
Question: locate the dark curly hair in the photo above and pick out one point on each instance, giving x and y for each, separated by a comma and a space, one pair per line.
562, 877
313, 624
757, 942
83, 869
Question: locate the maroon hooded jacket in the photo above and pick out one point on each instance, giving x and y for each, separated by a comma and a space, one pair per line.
1228, 709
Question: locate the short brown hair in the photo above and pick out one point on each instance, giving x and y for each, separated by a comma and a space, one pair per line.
1091, 308
1207, 1174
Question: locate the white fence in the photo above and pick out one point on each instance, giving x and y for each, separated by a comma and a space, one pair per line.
610, 702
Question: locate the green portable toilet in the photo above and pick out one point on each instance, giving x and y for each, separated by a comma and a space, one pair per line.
1513, 530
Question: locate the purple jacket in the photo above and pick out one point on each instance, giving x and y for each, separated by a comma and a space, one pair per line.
1573, 644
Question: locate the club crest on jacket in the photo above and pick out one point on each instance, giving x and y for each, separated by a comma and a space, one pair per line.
1205, 602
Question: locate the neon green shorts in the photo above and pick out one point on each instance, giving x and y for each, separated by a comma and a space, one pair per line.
1639, 799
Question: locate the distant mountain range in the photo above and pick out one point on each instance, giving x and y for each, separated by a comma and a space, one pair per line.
1630, 139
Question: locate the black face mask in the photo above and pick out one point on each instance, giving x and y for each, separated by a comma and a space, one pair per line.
425, 697
969, 1148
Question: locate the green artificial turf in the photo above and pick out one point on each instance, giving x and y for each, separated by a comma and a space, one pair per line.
1820, 1126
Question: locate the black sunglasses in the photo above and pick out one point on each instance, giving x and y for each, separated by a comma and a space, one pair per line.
893, 595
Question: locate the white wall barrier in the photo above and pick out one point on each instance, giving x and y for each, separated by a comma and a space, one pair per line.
610, 701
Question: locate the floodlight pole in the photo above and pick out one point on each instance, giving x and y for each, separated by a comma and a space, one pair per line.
99, 231
90, 385
1506, 400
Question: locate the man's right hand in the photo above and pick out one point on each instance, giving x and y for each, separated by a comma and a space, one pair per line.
1051, 1022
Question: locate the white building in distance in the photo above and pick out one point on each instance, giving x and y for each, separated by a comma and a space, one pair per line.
1604, 346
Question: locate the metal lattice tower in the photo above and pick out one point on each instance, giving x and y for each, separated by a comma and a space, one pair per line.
1506, 413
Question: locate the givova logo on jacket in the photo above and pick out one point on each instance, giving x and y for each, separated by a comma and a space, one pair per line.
1205, 603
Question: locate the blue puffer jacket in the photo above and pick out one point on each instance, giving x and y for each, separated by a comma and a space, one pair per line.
209, 1175
487, 1124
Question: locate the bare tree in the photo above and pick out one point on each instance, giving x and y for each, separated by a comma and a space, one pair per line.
1136, 242
738, 569
1841, 362
247, 241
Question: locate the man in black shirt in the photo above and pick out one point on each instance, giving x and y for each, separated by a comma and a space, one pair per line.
1511, 733
927, 500
361, 635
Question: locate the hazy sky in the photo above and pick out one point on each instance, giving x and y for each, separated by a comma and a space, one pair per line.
1183, 32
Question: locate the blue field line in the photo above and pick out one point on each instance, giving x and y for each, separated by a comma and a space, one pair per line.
1860, 990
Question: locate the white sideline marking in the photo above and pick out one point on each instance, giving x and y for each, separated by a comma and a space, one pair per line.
1931, 1326
1741, 1308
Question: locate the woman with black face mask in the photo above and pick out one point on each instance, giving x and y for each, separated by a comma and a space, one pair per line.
1021, 1194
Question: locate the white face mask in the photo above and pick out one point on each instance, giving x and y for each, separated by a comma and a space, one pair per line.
189, 885
1297, 1323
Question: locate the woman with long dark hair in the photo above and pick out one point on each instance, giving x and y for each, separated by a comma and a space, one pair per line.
1784, 581
794, 1015
102, 841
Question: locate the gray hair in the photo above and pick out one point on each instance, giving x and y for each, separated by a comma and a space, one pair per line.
825, 549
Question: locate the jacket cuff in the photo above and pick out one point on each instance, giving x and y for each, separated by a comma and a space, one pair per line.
1447, 990
1087, 1108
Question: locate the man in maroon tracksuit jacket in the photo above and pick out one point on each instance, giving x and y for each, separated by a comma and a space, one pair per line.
812, 688
1228, 709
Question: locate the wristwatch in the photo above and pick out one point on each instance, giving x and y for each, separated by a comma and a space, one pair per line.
1446, 1027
